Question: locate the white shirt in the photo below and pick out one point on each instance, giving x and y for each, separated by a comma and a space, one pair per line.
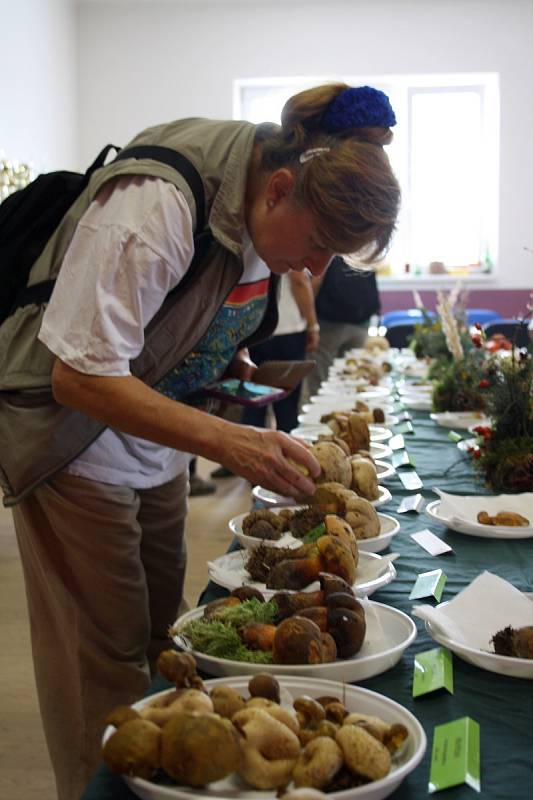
131, 247
290, 319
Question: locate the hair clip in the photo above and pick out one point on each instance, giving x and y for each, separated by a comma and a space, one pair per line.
307, 155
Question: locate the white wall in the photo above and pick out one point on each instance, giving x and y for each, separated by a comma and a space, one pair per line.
125, 65
144, 63
37, 82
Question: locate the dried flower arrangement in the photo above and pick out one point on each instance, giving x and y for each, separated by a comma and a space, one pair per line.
459, 379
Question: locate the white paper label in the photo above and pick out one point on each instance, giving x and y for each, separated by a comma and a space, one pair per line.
431, 543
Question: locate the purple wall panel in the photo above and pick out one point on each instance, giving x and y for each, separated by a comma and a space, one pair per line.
507, 302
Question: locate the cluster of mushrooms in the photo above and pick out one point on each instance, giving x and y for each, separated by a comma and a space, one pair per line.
347, 461
309, 628
197, 737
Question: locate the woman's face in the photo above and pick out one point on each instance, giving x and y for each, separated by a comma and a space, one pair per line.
283, 233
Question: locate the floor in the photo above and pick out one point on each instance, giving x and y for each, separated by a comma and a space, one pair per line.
25, 772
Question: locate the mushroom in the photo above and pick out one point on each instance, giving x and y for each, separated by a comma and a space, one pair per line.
134, 748
346, 623
284, 715
364, 478
297, 641
336, 526
363, 753
244, 593
358, 434
264, 685
333, 462
226, 701
318, 763
197, 749
330, 584
263, 524
178, 668
359, 513
187, 700
269, 749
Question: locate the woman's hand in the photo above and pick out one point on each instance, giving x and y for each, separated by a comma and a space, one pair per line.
271, 459
241, 366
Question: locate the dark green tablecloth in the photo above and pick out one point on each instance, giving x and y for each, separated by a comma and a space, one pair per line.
502, 706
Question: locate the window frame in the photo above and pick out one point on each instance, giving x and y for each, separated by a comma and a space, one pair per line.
401, 90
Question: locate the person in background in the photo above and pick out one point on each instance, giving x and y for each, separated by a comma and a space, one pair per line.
101, 531
296, 335
198, 486
346, 299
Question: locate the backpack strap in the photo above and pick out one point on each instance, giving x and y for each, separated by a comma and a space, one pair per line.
41, 292
181, 164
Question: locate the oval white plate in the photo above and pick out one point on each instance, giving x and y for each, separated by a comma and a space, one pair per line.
460, 419
272, 499
388, 528
419, 402
384, 470
311, 431
306, 430
373, 572
502, 665
388, 633
311, 420
353, 697
332, 390
423, 388
476, 528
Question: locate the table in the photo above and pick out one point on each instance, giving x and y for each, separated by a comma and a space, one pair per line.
502, 706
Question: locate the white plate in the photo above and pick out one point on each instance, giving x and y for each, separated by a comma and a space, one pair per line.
416, 388
503, 665
310, 431
373, 572
388, 528
388, 633
272, 499
476, 528
332, 390
353, 697
384, 470
460, 419
419, 402
311, 419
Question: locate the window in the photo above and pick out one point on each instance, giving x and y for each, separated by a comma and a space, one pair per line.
445, 155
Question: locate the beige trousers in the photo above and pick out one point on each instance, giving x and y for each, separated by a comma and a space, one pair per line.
104, 568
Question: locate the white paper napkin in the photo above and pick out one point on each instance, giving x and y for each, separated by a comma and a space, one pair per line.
465, 508
484, 607
229, 570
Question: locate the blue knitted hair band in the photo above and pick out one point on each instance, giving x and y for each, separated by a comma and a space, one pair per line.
359, 107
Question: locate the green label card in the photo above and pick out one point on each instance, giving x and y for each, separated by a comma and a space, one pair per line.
401, 458
455, 755
433, 669
455, 437
404, 427
429, 584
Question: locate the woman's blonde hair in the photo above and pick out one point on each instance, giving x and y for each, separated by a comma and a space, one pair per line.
349, 186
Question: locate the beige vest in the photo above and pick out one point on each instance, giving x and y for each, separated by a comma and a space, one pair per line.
38, 437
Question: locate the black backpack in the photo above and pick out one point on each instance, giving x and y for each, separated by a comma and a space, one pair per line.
29, 217
347, 294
